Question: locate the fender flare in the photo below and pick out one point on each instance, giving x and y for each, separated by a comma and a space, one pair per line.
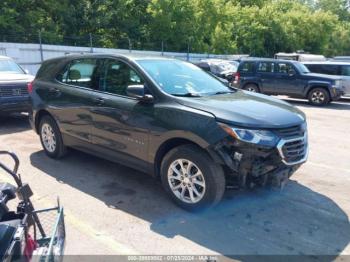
315, 84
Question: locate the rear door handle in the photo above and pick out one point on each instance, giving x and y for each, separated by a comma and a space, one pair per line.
99, 100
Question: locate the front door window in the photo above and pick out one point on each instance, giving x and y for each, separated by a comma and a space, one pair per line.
117, 76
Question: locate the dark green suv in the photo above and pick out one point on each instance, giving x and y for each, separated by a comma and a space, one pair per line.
170, 119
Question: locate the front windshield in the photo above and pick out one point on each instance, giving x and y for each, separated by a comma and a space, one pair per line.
181, 78
302, 68
9, 66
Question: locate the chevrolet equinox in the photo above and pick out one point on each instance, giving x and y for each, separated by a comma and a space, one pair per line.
170, 119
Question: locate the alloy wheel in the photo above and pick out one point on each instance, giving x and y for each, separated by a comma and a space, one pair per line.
186, 181
318, 97
48, 137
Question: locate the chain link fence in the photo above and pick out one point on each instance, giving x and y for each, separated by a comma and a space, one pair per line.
100, 41
29, 49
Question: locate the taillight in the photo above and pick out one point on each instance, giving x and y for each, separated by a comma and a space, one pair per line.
237, 77
30, 87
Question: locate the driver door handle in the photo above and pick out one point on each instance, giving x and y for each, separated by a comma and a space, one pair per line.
98, 100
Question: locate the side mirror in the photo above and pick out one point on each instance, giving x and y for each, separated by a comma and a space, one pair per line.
138, 92
291, 72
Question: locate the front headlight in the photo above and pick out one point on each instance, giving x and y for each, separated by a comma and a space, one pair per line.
337, 83
260, 137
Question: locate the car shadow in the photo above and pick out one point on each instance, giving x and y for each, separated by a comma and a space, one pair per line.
14, 123
296, 221
338, 105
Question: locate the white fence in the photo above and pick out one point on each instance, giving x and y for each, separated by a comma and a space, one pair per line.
30, 56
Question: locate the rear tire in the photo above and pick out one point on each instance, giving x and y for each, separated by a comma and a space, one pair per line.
252, 88
191, 178
319, 97
51, 138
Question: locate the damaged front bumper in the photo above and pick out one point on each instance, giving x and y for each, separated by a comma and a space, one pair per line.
249, 165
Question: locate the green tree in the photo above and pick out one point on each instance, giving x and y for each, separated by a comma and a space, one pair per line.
256, 27
337, 7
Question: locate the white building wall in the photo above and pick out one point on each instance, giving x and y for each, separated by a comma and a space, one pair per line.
29, 55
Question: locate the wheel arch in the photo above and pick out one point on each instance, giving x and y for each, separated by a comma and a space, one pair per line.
168, 145
312, 87
38, 116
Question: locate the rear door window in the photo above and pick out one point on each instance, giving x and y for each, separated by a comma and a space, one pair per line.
266, 67
82, 73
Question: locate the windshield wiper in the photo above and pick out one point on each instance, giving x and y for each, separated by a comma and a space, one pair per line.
223, 92
187, 95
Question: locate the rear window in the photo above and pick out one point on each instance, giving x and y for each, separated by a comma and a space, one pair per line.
247, 67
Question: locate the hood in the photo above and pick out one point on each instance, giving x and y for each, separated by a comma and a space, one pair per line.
246, 109
322, 76
10, 77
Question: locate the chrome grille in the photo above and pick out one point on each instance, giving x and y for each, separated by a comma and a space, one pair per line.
291, 132
13, 90
293, 151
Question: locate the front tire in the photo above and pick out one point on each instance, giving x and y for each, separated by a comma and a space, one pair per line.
191, 178
319, 97
251, 88
51, 138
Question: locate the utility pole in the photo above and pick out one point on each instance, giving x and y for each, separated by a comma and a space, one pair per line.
162, 48
189, 47
91, 47
188, 50
129, 45
41, 47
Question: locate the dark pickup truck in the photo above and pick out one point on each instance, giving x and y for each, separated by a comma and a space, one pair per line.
290, 78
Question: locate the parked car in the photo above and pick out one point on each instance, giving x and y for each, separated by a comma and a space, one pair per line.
205, 67
287, 77
170, 119
13, 87
341, 58
301, 57
221, 68
341, 69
